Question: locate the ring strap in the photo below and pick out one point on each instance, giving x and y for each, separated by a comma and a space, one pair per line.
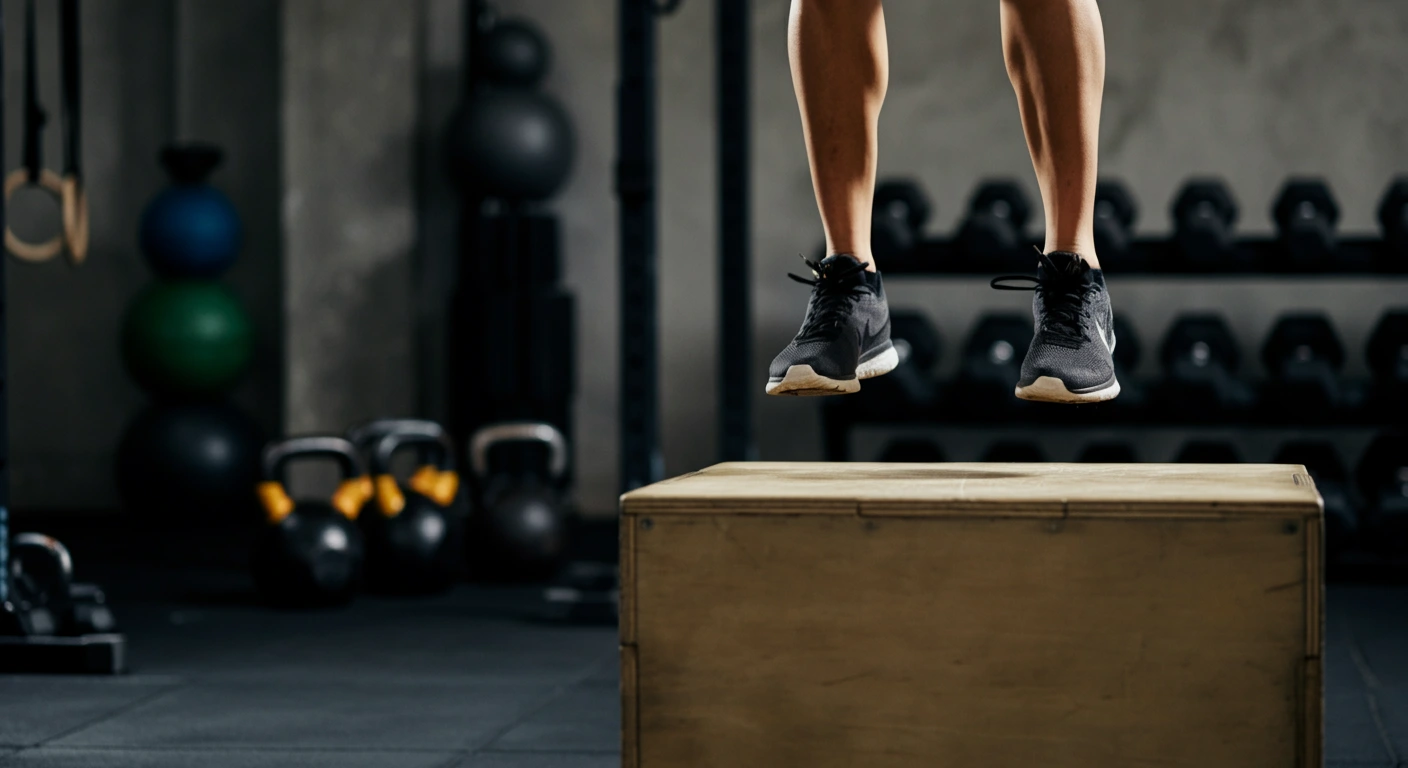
26, 251
74, 198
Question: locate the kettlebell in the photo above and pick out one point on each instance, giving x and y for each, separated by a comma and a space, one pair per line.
522, 522
309, 552
366, 435
414, 539
41, 575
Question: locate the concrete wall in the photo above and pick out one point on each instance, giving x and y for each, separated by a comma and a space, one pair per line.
68, 396
1249, 89
154, 71
332, 111
350, 83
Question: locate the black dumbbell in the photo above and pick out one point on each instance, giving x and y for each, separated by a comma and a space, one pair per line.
1200, 359
992, 363
1303, 355
1208, 452
912, 450
910, 385
1022, 451
1393, 220
1128, 351
1108, 452
1387, 354
1204, 221
1115, 214
897, 219
1382, 477
1306, 214
1332, 480
994, 228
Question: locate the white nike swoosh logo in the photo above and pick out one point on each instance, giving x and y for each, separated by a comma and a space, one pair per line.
1108, 344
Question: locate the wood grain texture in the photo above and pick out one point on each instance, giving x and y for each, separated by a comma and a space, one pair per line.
974, 640
626, 608
1040, 490
630, 709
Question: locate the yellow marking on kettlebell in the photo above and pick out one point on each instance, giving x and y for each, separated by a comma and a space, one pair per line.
350, 495
447, 485
389, 498
440, 486
275, 500
424, 479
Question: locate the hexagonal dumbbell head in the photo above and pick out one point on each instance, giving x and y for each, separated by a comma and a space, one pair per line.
1200, 341
997, 218
915, 338
1387, 351
1204, 217
1115, 213
1306, 213
1003, 198
1382, 476
1393, 215
1302, 338
897, 220
998, 339
1127, 346
904, 200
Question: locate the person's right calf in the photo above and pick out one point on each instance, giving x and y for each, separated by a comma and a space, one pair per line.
840, 69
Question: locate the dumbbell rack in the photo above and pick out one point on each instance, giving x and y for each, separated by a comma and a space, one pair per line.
1364, 406
1251, 256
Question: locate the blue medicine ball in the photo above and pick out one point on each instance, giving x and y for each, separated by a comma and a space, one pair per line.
190, 230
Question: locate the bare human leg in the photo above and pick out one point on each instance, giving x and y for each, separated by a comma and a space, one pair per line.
840, 70
1055, 52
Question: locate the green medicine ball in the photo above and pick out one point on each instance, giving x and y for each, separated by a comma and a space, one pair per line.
186, 337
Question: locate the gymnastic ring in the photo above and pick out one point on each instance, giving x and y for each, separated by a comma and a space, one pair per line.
75, 205
49, 182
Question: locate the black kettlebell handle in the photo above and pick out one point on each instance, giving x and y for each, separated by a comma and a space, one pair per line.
438, 481
426, 433
351, 493
366, 434
519, 432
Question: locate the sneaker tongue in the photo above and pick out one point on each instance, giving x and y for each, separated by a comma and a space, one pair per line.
838, 260
833, 266
1068, 264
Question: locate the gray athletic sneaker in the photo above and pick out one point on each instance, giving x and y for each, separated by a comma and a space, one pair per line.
1070, 359
845, 336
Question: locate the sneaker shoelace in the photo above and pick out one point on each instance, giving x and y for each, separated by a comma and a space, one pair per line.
1063, 293
834, 293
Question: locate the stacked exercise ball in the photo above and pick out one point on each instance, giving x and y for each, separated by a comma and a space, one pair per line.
510, 140
186, 339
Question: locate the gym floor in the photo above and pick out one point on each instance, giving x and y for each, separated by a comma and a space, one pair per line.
475, 678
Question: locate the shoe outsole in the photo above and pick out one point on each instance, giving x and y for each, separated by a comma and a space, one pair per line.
879, 365
1049, 389
803, 381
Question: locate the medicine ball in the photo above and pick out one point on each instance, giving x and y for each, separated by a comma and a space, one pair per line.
190, 229
186, 337
512, 143
513, 52
193, 461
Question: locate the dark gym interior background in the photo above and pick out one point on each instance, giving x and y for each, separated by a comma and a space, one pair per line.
330, 112
332, 115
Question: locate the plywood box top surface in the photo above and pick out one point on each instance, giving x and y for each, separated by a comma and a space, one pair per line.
1046, 489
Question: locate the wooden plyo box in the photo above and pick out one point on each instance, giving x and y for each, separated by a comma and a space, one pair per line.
779, 615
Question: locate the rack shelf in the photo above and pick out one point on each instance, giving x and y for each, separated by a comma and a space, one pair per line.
1252, 257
